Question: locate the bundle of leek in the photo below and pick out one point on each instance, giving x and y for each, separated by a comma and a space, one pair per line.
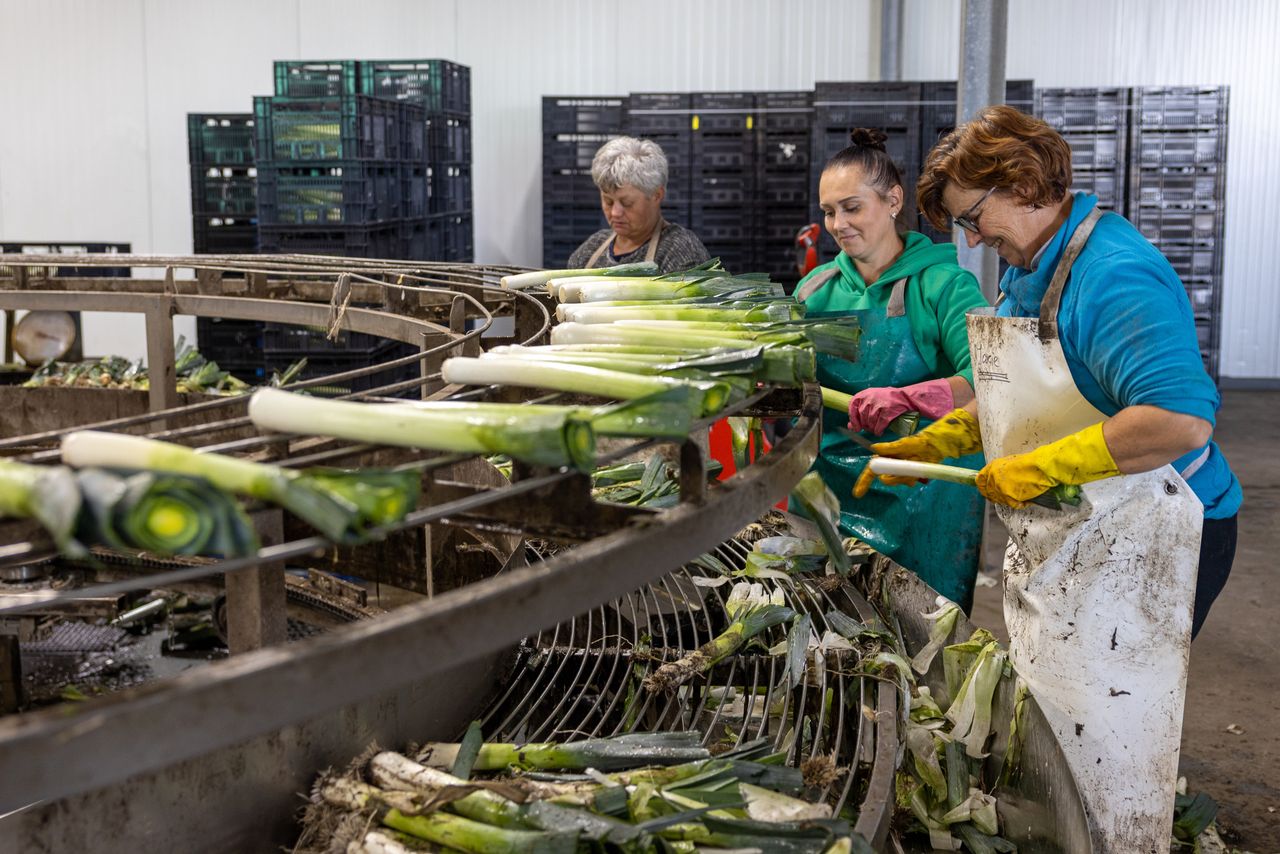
773, 364
779, 310
534, 278
344, 506
824, 336
751, 610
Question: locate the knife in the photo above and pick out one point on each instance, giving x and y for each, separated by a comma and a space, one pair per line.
1058, 498
904, 425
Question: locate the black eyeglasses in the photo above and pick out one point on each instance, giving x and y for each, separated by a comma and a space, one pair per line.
969, 219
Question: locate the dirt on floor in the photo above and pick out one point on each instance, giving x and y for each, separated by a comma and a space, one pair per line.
1231, 726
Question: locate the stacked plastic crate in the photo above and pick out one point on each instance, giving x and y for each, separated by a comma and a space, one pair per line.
331, 162
1095, 124
573, 129
938, 118
1177, 192
443, 90
838, 108
224, 210
724, 208
782, 121
223, 183
666, 118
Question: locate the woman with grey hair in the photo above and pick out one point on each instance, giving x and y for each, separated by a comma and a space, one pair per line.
632, 177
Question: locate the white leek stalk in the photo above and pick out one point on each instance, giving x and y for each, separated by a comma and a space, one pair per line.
521, 281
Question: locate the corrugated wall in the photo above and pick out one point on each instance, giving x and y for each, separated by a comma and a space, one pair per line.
95, 95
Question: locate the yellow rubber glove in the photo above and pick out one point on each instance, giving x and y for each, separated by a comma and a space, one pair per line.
1079, 458
954, 435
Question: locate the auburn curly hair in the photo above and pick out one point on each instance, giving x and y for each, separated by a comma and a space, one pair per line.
1003, 148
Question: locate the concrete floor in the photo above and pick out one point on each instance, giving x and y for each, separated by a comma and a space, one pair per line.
1235, 662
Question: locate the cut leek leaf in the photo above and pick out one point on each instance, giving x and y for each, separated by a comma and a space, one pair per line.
47, 494
603, 754
822, 508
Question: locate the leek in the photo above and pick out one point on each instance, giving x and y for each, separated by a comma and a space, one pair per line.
576, 378
47, 494
341, 505
532, 279
602, 754
751, 611
527, 433
823, 509
970, 710
1055, 498
164, 514
588, 313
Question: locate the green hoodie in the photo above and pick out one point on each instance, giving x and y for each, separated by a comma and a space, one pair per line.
939, 292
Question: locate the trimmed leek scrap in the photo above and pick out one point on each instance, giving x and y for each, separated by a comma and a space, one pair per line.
532, 279
166, 514
603, 754
944, 621
577, 378
751, 611
823, 509
342, 505
47, 494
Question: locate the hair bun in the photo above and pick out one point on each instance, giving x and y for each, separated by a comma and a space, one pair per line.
869, 138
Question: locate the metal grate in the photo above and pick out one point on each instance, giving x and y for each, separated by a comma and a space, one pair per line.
582, 678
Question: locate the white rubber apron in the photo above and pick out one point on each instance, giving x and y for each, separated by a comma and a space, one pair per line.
1098, 599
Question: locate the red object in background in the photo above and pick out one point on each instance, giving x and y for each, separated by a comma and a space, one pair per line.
721, 443
807, 248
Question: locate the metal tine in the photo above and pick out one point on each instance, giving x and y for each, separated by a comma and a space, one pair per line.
610, 686
529, 704
575, 693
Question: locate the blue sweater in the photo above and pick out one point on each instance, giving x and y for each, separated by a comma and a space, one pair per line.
1128, 335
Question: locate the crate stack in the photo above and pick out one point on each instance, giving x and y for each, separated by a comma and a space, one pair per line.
224, 212
1177, 192
1095, 123
573, 128
665, 118
892, 106
783, 148
937, 119
224, 193
724, 207
443, 90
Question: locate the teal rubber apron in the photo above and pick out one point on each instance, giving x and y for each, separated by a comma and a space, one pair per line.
933, 529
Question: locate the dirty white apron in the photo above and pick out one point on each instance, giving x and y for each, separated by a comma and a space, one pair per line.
1098, 599
650, 251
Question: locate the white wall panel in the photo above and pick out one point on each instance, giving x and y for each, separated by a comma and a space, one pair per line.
95, 94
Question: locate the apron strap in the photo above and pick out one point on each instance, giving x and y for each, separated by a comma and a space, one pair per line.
600, 250
816, 282
1053, 296
1196, 464
897, 306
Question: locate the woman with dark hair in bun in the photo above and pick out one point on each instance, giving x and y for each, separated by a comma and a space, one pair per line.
909, 297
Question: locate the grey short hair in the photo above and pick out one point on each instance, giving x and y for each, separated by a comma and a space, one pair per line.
627, 160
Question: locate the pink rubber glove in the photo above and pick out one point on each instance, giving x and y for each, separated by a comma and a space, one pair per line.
872, 409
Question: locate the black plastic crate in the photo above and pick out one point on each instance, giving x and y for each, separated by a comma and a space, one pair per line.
736, 256
722, 224
449, 137
782, 112
450, 187
1105, 185
1205, 299
70, 248
785, 188
724, 189
457, 242
678, 150
571, 186
437, 84
902, 147
317, 78
722, 112
1096, 151
1207, 333
377, 241
724, 151
1084, 109
305, 340
224, 235
224, 139
572, 150
867, 104
323, 364
658, 113
1177, 224
1194, 262
335, 193
1178, 186
1180, 106
415, 191
938, 110
783, 151
224, 190
781, 223
556, 252
251, 372
347, 127
573, 219
567, 114
222, 340
1155, 149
